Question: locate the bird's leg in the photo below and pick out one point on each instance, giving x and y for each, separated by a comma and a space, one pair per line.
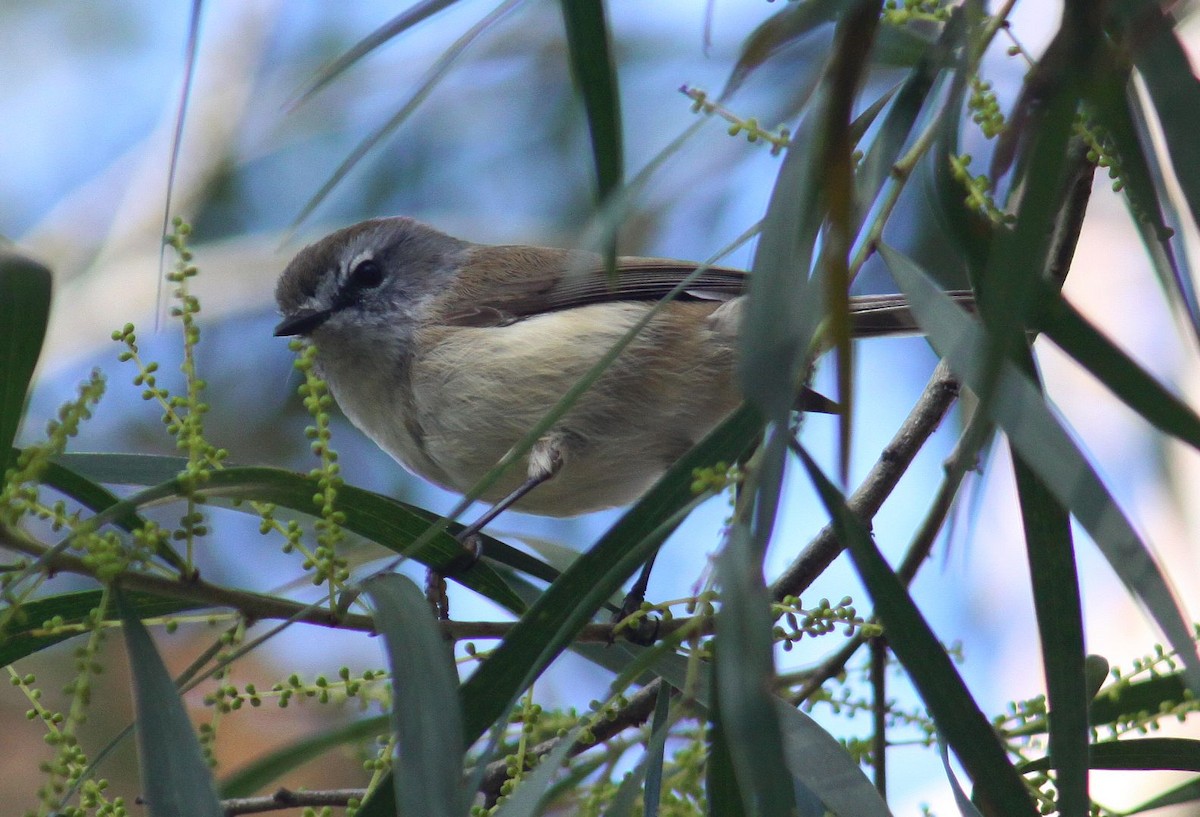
647, 630
545, 460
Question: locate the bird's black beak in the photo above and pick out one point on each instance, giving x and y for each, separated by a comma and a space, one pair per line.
302, 322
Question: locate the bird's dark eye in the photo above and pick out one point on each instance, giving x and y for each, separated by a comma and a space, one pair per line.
367, 274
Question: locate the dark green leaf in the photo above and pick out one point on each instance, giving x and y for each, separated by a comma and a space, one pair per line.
570, 602
266, 770
660, 726
781, 312
426, 719
958, 717
1048, 449
1178, 754
745, 671
378, 518
527, 799
24, 307
589, 50
1059, 608
25, 633
816, 758
1115, 369
721, 784
876, 166
176, 779
1129, 700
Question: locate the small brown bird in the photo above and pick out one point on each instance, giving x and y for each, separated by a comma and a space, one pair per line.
446, 353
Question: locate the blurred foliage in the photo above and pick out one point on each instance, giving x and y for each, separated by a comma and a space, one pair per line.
706, 718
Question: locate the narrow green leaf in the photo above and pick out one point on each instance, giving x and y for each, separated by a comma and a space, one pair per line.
1048, 449
1116, 106
721, 784
373, 516
660, 726
393, 28
966, 230
429, 81
185, 93
142, 469
176, 779
528, 798
649, 768
745, 671
1185, 793
961, 799
1123, 376
589, 49
24, 307
1059, 608
624, 802
266, 770
1141, 754
957, 715
821, 763
1175, 92
783, 29
25, 633
426, 718
571, 601
91, 495
1019, 256
124, 469
1126, 700
896, 129
781, 313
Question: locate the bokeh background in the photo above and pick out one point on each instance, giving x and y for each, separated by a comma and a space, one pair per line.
498, 152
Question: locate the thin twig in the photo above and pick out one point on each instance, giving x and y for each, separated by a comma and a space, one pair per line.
287, 798
893, 462
260, 607
635, 713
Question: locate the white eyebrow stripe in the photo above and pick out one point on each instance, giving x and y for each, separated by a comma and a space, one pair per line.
344, 272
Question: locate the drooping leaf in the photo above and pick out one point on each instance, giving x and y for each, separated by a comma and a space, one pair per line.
176, 779
426, 719
957, 715
589, 49
745, 673
1050, 551
24, 308
1038, 436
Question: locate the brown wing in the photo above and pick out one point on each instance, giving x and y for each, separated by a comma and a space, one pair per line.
525, 281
